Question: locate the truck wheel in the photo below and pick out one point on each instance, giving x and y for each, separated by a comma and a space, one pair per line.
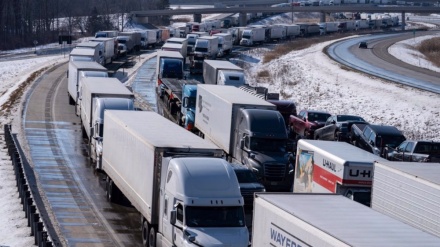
112, 192
145, 232
152, 237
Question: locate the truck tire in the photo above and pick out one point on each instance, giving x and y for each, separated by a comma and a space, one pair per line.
152, 237
145, 233
112, 192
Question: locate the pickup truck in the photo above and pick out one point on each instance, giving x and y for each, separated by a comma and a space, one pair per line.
307, 121
415, 151
374, 138
337, 128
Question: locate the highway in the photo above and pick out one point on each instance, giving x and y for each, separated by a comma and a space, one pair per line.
378, 62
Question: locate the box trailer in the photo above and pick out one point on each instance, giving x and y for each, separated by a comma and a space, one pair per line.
409, 192
328, 220
75, 68
110, 48
84, 54
222, 72
334, 167
248, 129
96, 96
98, 47
175, 179
253, 36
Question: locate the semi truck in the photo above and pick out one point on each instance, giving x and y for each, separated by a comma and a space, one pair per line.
125, 45
206, 47
224, 43
135, 37
328, 27
110, 48
409, 192
169, 65
96, 96
292, 30
334, 167
249, 130
275, 33
74, 74
186, 194
178, 99
221, 72
253, 36
148, 38
328, 220
181, 41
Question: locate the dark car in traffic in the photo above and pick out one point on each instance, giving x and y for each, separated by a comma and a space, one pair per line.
363, 45
248, 183
337, 128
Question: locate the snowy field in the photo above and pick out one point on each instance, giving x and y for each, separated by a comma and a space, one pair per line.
307, 76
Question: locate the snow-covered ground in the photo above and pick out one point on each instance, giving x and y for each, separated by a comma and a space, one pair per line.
307, 76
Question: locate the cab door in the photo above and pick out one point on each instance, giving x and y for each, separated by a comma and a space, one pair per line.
177, 232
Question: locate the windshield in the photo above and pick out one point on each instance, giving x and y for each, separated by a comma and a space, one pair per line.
192, 102
245, 176
214, 216
246, 36
267, 145
172, 68
199, 49
319, 117
392, 141
122, 41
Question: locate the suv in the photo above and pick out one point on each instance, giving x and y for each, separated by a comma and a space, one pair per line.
363, 44
248, 183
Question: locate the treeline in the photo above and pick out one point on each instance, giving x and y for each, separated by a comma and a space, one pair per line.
24, 21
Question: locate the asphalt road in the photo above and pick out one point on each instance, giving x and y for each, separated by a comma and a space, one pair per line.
378, 62
73, 194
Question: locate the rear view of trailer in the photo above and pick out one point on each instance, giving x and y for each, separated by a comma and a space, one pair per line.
410, 192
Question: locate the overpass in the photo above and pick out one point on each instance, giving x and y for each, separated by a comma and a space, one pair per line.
368, 8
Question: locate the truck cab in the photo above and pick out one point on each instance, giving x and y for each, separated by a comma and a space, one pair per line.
188, 109
261, 145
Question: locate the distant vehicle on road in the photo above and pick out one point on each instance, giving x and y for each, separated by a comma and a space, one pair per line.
363, 45
307, 121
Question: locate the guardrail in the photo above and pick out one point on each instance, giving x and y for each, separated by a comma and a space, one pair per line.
36, 221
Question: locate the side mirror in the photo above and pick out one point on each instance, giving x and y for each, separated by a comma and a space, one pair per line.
173, 217
185, 102
371, 143
242, 144
333, 122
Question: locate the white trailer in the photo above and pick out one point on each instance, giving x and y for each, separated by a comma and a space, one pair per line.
135, 37
253, 36
292, 30
84, 54
334, 167
362, 24
186, 194
328, 220
409, 192
222, 72
328, 27
96, 96
182, 41
97, 47
148, 38
75, 68
224, 43
110, 48
275, 33
206, 46
174, 47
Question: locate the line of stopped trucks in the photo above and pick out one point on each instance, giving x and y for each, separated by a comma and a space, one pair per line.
184, 175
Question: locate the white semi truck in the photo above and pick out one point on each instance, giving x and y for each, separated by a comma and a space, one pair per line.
248, 129
93, 69
224, 43
97, 47
300, 220
221, 72
110, 48
206, 47
96, 96
169, 65
334, 167
410, 192
83, 54
186, 194
253, 36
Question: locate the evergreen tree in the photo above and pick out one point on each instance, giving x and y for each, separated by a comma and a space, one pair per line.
95, 22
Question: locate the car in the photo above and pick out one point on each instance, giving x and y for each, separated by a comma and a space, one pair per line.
337, 128
248, 183
363, 45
